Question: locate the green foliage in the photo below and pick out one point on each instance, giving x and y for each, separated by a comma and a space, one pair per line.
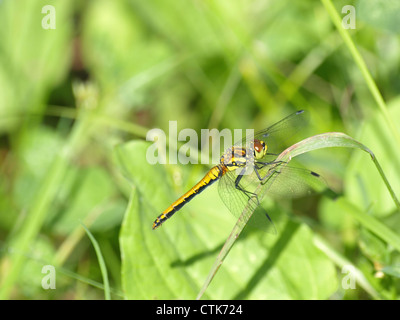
76, 103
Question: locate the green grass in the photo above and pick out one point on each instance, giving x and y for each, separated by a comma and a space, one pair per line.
102, 264
76, 104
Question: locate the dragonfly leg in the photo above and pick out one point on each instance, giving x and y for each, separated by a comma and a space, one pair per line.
249, 194
260, 165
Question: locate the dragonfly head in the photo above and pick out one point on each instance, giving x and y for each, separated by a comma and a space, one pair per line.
260, 149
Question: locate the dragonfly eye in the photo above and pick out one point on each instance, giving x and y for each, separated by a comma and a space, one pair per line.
260, 149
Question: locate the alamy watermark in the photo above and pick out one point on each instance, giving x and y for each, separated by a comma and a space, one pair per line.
349, 279
49, 280
189, 151
49, 20
349, 20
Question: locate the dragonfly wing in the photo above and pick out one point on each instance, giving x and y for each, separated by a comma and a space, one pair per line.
237, 201
293, 182
278, 181
280, 135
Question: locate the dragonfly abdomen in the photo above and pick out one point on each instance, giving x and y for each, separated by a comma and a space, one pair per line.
213, 175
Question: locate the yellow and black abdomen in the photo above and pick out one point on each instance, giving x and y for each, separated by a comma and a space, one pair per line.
213, 175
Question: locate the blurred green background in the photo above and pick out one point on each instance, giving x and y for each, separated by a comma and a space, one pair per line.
77, 101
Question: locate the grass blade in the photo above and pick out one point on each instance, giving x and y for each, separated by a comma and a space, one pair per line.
102, 263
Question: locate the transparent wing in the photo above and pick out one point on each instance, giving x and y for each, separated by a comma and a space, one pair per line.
280, 135
236, 201
293, 182
278, 181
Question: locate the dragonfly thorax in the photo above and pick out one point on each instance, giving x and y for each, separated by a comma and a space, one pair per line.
236, 157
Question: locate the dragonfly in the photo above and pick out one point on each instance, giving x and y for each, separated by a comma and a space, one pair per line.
250, 163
